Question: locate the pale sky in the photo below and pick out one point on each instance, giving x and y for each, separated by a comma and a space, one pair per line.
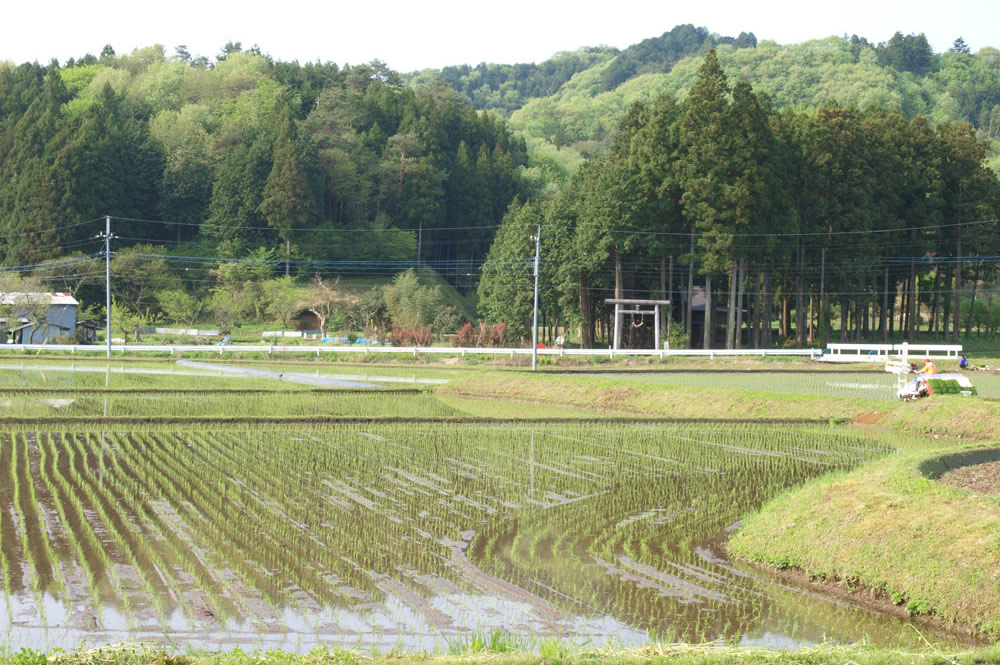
414, 34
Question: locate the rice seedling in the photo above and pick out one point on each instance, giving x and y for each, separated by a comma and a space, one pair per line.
315, 404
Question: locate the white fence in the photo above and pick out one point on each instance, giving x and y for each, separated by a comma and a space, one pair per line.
838, 352
415, 351
290, 334
859, 352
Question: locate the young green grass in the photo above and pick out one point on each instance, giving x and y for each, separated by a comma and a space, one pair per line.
889, 531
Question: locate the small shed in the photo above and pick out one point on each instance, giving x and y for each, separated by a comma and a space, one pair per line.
87, 329
698, 320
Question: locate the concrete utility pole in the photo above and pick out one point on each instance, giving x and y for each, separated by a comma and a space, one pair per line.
822, 294
107, 276
534, 324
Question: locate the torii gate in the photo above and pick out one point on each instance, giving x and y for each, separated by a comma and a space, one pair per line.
636, 302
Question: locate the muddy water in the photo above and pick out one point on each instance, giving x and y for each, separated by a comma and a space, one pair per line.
401, 535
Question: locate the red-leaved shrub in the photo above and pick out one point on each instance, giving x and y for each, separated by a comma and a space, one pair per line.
484, 335
404, 337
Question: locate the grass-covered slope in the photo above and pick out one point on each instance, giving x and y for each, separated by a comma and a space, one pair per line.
889, 530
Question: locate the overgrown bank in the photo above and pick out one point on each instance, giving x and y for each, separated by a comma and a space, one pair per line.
890, 530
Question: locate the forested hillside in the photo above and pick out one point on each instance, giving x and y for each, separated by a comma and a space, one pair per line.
650, 170
902, 73
864, 216
243, 153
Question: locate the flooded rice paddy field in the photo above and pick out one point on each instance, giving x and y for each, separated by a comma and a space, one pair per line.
185, 405
117, 375
408, 535
171, 375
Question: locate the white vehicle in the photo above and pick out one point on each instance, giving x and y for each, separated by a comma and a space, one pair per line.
919, 386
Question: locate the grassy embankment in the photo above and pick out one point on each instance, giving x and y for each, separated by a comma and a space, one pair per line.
504, 649
892, 531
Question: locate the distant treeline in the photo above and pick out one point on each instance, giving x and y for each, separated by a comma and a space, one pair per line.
824, 183
799, 217
508, 87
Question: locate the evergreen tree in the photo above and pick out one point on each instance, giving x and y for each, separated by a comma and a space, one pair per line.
288, 200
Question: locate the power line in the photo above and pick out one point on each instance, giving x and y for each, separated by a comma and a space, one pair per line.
796, 234
50, 229
328, 229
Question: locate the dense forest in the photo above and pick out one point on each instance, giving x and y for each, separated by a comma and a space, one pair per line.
789, 216
899, 74
318, 160
837, 180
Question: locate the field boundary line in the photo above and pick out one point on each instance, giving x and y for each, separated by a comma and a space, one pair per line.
286, 391
349, 420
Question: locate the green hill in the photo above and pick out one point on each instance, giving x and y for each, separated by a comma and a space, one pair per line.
578, 119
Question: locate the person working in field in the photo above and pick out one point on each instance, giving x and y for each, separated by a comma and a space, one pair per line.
920, 382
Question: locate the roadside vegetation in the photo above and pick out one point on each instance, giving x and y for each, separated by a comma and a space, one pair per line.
496, 648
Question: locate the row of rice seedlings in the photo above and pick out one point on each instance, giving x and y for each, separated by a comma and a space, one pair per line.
548, 543
316, 562
367, 457
873, 386
309, 558
203, 573
274, 404
37, 516
987, 384
123, 531
84, 375
5, 568
333, 548
71, 482
27, 554
58, 499
131, 465
192, 497
282, 544
267, 517
543, 514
